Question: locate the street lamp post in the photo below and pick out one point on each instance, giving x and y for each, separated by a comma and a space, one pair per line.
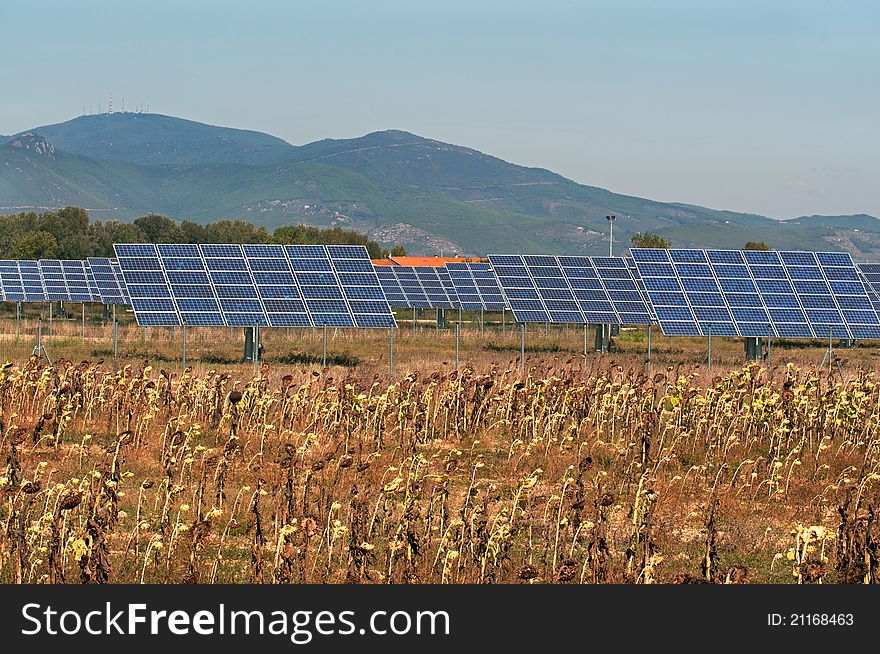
611, 219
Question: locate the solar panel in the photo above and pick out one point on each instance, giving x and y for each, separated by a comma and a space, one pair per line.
432, 285
32, 281
106, 281
631, 266
553, 289
53, 280
360, 286
146, 284
121, 281
319, 285
411, 286
234, 285
665, 292
849, 294
10, 281
869, 274
778, 294
487, 285
814, 294
703, 292
759, 293
462, 280
190, 285
77, 281
391, 287
599, 281
276, 286
519, 289
92, 283
741, 293
449, 287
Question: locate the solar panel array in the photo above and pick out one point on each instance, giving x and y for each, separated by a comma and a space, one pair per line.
475, 286
591, 290
146, 285
234, 286
21, 281
391, 287
688, 292
106, 281
869, 273
411, 286
433, 285
276, 286
360, 286
757, 293
253, 285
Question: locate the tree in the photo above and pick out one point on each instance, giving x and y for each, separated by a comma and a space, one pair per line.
159, 229
398, 251
756, 245
36, 245
648, 240
234, 231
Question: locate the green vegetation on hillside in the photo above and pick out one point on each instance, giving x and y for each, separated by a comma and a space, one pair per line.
70, 234
128, 165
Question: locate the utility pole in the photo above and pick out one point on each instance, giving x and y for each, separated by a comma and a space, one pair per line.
611, 218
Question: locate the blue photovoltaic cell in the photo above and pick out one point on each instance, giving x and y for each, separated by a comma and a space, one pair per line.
758, 293
361, 287
490, 291
703, 292
465, 286
146, 285
814, 294
276, 286
106, 280
519, 289
777, 291
319, 285
869, 274
77, 281
234, 286
391, 287
21, 281
122, 287
589, 291
411, 286
553, 289
53, 280
850, 295
433, 288
621, 287
190, 285
740, 292
665, 292
448, 286
32, 281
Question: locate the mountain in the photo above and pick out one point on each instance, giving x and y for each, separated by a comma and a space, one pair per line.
395, 186
156, 139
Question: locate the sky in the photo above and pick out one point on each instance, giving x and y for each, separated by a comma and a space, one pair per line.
766, 107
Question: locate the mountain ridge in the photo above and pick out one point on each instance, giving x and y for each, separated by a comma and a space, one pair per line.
392, 182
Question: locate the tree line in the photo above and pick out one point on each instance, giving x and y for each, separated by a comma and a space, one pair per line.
69, 233
648, 240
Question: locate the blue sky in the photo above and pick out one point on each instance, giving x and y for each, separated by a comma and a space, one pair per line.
767, 107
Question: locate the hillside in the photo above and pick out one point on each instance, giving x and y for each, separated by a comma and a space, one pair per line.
156, 139
393, 185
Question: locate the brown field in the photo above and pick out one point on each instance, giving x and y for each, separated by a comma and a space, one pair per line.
581, 469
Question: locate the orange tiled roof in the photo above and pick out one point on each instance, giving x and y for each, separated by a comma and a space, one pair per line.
429, 261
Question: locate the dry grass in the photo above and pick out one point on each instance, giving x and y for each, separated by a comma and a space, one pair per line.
583, 469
